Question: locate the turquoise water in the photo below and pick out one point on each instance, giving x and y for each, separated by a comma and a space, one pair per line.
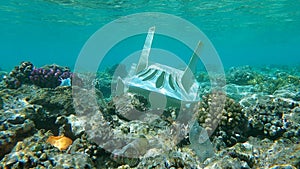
251, 32
154, 124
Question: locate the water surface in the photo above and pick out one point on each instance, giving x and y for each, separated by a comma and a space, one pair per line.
244, 32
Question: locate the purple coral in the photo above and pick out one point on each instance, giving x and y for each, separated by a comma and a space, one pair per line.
49, 76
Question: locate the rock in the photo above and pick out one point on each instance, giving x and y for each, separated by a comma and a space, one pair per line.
1, 103
13, 127
19, 75
244, 152
282, 152
228, 162
244, 75
237, 92
78, 160
58, 101
35, 152
283, 166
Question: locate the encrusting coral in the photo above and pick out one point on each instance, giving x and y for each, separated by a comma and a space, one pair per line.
273, 118
60, 142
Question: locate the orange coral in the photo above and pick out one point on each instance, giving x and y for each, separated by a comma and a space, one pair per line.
60, 142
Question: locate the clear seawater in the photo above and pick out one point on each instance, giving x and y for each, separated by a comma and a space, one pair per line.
249, 32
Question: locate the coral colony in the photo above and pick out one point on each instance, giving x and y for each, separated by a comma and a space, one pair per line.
46, 77
60, 142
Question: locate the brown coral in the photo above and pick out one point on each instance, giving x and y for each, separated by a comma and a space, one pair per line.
222, 118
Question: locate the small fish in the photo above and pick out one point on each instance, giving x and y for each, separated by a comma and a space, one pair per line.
65, 82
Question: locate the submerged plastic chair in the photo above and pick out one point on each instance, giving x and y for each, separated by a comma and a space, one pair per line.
176, 85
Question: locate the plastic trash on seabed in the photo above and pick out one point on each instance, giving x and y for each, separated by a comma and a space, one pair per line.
200, 142
178, 86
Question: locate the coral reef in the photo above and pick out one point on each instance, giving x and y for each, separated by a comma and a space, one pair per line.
41, 105
2, 74
13, 127
288, 91
19, 75
90, 117
130, 106
244, 75
27, 108
1, 103
35, 152
277, 80
49, 76
238, 92
264, 79
105, 82
57, 101
268, 153
222, 120
274, 117
130, 153
251, 127
175, 158
257, 153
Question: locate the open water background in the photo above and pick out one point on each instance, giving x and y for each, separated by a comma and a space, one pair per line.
249, 32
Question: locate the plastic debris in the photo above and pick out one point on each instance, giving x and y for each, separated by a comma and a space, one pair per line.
200, 142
